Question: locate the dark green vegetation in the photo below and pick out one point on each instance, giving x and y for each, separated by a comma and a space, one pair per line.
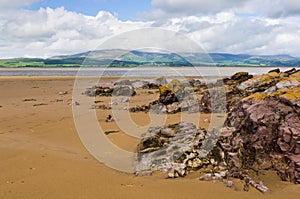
123, 58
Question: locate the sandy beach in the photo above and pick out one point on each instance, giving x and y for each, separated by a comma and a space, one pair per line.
42, 156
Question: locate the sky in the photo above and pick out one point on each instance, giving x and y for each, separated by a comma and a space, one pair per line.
45, 28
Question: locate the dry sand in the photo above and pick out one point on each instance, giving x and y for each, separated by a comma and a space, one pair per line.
41, 155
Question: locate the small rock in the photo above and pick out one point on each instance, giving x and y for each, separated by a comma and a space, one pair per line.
206, 177
206, 121
109, 118
63, 93
230, 184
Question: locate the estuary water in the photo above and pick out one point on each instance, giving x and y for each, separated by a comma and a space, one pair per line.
138, 71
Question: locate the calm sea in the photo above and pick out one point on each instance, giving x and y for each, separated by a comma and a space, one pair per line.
139, 71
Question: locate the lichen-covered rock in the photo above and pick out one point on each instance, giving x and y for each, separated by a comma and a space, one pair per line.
242, 85
175, 97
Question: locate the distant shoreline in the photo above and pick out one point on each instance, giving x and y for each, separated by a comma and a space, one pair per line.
203, 72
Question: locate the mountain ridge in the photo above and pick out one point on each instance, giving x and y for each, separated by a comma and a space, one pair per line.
126, 58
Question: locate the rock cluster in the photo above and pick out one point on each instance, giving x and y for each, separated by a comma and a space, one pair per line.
241, 85
261, 132
139, 108
178, 149
117, 90
98, 90
182, 148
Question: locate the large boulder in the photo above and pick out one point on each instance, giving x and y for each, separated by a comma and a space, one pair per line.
124, 90
267, 133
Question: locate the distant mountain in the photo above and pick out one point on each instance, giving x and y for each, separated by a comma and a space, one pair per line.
123, 58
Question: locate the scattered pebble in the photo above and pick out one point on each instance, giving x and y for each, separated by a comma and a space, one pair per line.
230, 184
206, 121
63, 93
110, 132
75, 103
29, 100
109, 118
40, 104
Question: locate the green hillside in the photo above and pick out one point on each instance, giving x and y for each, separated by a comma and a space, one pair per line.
123, 58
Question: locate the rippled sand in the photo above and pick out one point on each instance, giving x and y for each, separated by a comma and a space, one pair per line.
41, 155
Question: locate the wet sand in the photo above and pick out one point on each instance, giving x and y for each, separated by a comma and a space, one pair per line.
41, 155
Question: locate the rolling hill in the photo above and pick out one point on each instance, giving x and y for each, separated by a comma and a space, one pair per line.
123, 58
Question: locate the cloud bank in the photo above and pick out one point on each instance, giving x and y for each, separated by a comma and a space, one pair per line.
231, 26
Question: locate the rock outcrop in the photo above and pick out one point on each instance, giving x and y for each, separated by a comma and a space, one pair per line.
267, 133
241, 85
261, 132
117, 90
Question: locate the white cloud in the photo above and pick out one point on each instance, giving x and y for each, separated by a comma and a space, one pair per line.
178, 8
193, 7
283, 8
226, 32
48, 32
6, 4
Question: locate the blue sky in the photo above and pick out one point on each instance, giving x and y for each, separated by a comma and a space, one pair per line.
45, 28
126, 9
